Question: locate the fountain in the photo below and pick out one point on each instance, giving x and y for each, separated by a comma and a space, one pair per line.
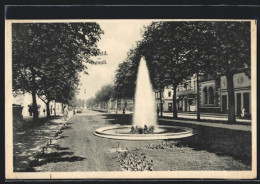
144, 109
144, 119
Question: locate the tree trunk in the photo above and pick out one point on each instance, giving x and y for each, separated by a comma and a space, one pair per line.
62, 109
174, 102
48, 109
34, 106
231, 98
198, 98
125, 105
55, 108
161, 105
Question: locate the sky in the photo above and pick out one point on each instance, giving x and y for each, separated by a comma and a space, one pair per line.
118, 38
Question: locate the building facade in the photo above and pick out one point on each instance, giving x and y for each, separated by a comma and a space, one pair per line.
242, 91
212, 92
186, 95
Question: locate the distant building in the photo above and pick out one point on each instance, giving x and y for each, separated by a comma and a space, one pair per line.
118, 105
25, 100
186, 95
167, 95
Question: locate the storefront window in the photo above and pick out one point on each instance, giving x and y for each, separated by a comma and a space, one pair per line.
205, 95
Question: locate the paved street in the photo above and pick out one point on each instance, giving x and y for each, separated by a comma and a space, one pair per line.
78, 149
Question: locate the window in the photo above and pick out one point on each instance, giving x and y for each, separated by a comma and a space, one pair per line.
169, 93
211, 95
185, 86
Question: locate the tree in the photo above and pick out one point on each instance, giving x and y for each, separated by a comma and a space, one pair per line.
221, 48
58, 83
166, 44
232, 52
125, 80
174, 51
201, 55
104, 95
47, 58
25, 63
91, 102
125, 77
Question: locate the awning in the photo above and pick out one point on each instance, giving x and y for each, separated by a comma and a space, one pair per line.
187, 93
30, 105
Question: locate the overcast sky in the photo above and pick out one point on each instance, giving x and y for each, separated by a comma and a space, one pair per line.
118, 38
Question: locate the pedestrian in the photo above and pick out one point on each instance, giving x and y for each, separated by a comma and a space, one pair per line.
30, 111
158, 110
44, 112
243, 112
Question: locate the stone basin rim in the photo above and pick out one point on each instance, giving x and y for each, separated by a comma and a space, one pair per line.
155, 136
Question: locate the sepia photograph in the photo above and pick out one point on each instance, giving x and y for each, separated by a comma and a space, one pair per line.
130, 98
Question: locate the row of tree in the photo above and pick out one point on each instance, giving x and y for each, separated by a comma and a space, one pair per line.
48, 57
102, 97
175, 51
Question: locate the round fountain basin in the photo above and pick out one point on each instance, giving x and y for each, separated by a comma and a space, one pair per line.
160, 132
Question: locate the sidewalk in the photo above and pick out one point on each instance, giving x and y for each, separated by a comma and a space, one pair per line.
211, 124
29, 140
193, 115
205, 116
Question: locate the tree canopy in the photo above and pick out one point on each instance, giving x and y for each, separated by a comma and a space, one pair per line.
47, 57
104, 94
174, 51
